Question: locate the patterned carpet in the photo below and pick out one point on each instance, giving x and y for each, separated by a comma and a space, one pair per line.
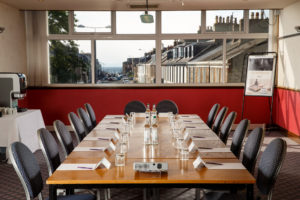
286, 188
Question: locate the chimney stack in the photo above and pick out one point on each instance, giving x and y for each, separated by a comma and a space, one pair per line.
257, 15
262, 13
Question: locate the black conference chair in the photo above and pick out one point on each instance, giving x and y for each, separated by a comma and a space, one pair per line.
212, 115
226, 127
268, 170
50, 149
238, 137
251, 148
64, 137
85, 119
167, 106
91, 114
134, 106
219, 119
77, 126
28, 171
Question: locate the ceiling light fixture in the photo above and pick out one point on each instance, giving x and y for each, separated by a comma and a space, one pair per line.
146, 18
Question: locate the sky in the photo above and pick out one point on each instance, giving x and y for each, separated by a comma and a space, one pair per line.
112, 53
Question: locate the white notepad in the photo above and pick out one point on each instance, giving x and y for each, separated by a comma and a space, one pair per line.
225, 166
215, 150
82, 166
90, 149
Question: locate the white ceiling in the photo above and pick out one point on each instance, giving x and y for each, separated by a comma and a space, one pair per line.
162, 4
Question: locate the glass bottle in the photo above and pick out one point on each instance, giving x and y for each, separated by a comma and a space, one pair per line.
148, 114
154, 136
147, 134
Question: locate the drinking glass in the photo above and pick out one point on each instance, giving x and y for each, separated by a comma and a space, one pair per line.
184, 153
120, 159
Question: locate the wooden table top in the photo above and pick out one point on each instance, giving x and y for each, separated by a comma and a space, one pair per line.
179, 172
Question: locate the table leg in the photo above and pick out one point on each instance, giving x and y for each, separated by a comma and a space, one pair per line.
250, 192
52, 192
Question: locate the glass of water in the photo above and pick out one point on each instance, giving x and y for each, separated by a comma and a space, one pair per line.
120, 159
184, 153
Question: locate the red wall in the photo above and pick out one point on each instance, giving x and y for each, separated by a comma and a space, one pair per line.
57, 103
287, 110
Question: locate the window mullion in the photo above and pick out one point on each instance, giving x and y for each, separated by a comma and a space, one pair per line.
158, 48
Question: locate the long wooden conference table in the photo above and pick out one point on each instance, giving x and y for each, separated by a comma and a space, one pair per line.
181, 173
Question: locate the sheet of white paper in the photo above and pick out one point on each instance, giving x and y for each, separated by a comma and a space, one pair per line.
205, 138
80, 166
221, 150
114, 116
139, 115
225, 166
98, 138
188, 116
89, 149
163, 114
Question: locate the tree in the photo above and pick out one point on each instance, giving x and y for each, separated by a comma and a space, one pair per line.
67, 64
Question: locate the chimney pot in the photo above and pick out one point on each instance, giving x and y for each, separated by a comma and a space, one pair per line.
252, 15
257, 15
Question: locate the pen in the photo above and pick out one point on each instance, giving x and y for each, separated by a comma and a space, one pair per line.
213, 163
111, 128
84, 167
96, 149
114, 123
198, 136
190, 127
187, 121
204, 148
103, 138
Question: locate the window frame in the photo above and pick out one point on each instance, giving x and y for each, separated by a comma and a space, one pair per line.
158, 37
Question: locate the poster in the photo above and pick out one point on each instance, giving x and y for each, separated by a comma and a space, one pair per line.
260, 75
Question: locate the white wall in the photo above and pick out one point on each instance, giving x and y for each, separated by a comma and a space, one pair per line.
12, 40
289, 48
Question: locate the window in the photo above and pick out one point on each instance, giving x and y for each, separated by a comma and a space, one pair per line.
236, 51
58, 22
258, 21
130, 23
70, 61
181, 21
87, 21
224, 20
125, 61
202, 64
115, 47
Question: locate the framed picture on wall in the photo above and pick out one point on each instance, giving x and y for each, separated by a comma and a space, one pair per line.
260, 75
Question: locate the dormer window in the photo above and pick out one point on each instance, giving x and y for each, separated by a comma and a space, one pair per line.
180, 52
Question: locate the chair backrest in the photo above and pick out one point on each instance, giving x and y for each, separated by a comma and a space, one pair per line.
226, 127
212, 115
91, 114
77, 126
167, 106
85, 119
135, 106
50, 149
27, 169
64, 137
251, 148
270, 165
219, 119
239, 136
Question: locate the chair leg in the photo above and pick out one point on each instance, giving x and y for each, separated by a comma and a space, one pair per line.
98, 194
197, 193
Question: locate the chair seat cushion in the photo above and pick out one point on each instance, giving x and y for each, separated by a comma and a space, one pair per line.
77, 197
